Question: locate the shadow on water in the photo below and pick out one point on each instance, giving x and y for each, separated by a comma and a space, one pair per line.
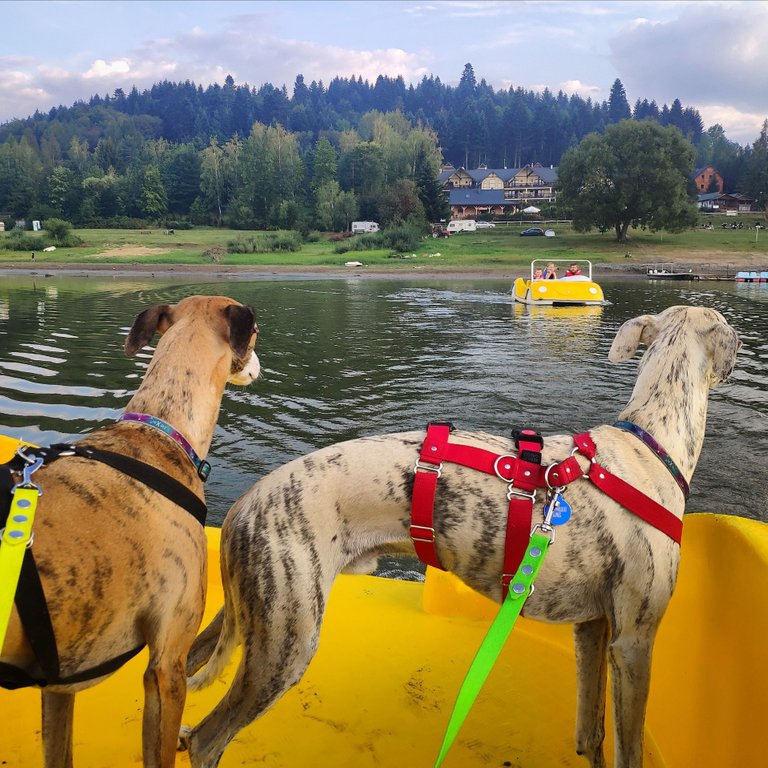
344, 358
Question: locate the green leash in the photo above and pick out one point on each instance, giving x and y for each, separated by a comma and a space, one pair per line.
493, 642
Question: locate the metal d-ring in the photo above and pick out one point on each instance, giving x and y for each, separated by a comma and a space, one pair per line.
496, 466
555, 488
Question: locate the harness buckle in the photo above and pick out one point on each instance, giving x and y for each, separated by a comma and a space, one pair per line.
421, 465
528, 436
441, 423
512, 491
422, 528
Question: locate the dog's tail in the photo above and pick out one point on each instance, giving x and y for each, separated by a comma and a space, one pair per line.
211, 651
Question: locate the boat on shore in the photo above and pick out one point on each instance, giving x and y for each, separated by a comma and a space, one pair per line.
668, 272
751, 277
571, 290
415, 642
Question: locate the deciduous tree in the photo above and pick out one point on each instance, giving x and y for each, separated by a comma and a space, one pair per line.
636, 174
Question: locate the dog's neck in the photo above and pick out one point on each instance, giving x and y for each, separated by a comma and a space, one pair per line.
182, 393
669, 402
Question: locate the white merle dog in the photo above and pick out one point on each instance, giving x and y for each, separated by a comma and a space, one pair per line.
610, 573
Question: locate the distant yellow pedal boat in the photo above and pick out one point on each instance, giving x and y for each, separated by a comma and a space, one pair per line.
393, 654
569, 290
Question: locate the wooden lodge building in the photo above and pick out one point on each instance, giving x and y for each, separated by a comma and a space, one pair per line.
497, 191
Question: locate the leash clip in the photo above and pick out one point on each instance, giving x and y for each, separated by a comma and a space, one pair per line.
32, 464
545, 528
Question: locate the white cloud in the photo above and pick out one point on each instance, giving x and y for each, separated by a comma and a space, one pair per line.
742, 127
710, 55
102, 69
582, 89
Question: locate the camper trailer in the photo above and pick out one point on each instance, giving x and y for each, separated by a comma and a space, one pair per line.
359, 227
462, 225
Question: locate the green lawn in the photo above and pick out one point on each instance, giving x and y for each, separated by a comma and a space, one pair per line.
501, 248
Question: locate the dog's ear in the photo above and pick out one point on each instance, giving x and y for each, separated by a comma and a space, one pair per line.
242, 324
156, 319
725, 345
639, 330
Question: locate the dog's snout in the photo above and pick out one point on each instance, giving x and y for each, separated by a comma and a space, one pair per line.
250, 371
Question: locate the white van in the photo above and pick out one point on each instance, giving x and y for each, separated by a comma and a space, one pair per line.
359, 227
462, 225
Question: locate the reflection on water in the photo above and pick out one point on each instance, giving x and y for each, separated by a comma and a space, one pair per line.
343, 358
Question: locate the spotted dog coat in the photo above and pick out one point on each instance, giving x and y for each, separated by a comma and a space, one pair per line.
611, 574
120, 564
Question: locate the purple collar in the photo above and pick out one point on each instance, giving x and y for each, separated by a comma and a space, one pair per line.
202, 466
665, 458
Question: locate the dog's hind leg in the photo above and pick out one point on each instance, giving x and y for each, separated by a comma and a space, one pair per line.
165, 690
591, 641
630, 656
273, 661
58, 714
205, 643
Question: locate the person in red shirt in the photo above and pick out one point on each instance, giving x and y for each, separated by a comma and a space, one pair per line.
573, 271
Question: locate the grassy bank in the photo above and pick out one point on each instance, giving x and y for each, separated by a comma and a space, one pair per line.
499, 249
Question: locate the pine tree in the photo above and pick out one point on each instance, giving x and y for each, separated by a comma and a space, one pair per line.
618, 106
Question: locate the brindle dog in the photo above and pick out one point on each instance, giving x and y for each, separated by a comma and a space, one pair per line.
121, 565
611, 574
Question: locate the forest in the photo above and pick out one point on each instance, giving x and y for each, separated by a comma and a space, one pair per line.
317, 158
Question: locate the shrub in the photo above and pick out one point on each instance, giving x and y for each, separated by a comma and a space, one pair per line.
177, 224
399, 238
118, 222
58, 229
266, 242
18, 240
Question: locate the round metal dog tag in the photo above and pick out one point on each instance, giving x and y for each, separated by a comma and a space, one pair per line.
561, 513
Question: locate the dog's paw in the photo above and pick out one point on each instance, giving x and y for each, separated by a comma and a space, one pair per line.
184, 735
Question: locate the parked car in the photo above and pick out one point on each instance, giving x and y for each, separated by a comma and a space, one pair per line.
532, 232
484, 225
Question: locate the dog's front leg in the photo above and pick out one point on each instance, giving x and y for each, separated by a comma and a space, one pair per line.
58, 713
165, 690
630, 657
591, 641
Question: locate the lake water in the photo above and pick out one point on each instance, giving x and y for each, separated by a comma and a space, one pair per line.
348, 357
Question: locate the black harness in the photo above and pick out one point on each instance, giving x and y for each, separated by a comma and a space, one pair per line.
30, 598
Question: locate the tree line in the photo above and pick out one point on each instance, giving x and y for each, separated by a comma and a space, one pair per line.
256, 157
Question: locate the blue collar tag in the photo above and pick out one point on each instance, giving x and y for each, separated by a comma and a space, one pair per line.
561, 511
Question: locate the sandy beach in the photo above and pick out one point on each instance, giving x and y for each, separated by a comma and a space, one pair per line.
709, 263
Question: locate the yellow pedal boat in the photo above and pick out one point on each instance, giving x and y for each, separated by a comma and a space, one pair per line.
579, 290
393, 654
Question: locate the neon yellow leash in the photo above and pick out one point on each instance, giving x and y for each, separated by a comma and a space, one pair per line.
557, 512
17, 536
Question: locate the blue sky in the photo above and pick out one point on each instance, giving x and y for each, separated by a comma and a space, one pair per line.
711, 55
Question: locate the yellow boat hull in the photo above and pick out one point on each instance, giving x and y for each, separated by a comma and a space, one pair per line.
392, 656
561, 292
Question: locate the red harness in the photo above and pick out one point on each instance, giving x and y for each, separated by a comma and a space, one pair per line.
523, 474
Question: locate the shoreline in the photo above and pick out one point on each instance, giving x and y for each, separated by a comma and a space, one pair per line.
708, 270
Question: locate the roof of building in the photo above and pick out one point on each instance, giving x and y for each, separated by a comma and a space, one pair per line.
701, 170
547, 175
711, 196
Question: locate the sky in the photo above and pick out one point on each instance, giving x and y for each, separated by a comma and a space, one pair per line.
711, 55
